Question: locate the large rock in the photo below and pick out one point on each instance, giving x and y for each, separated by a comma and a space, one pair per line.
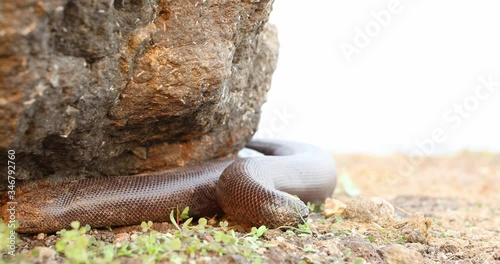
92, 88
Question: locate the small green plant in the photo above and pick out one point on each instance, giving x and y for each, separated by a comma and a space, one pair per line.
179, 217
73, 243
311, 206
347, 253
315, 208
146, 226
4, 236
202, 223
180, 245
186, 241
338, 219
303, 229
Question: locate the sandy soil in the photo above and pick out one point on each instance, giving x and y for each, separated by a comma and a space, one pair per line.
459, 193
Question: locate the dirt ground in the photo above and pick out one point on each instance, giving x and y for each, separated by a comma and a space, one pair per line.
459, 193
447, 210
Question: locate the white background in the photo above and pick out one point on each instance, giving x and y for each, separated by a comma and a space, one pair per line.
397, 89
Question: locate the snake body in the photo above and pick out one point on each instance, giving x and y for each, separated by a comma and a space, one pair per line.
257, 191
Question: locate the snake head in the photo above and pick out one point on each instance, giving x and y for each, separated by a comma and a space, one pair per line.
285, 210
291, 211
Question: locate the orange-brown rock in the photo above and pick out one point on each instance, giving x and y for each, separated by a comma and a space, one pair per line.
91, 88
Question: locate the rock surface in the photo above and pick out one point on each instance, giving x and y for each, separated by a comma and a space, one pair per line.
92, 88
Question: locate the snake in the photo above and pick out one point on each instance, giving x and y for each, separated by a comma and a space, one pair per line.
270, 190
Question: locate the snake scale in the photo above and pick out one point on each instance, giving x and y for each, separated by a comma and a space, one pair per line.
256, 190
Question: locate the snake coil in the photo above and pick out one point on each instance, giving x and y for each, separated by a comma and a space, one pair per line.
257, 191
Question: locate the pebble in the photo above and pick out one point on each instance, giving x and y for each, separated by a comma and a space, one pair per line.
333, 207
40, 236
209, 238
442, 256
121, 237
399, 254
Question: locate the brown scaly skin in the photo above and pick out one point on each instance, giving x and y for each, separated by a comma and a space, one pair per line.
257, 191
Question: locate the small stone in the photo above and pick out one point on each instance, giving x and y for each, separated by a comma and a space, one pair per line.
209, 238
369, 210
432, 250
399, 254
40, 236
121, 237
442, 256
333, 207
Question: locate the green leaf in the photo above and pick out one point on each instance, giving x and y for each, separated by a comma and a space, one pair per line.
218, 236
185, 213
144, 226
75, 225
261, 231
175, 244
338, 219
109, 253
172, 219
187, 222
347, 252
224, 225
60, 245
311, 206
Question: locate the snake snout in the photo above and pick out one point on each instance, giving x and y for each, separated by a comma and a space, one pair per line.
294, 211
